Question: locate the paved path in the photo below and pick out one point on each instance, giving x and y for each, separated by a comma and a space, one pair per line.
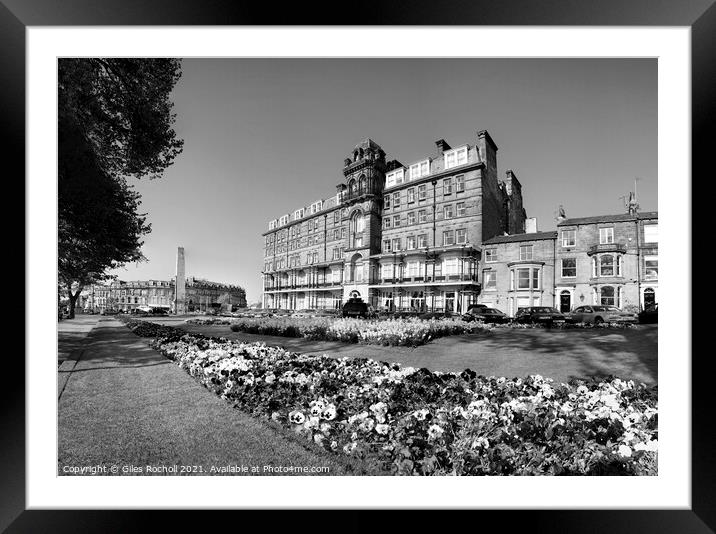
630, 354
124, 404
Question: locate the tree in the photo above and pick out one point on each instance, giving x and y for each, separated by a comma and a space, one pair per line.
114, 122
123, 109
100, 227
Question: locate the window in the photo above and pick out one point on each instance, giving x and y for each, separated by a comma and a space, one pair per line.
336, 234
298, 214
343, 232
386, 202
411, 217
569, 267
606, 236
450, 266
396, 243
448, 237
651, 266
526, 252
422, 192
523, 278
411, 195
606, 296
396, 200
316, 207
460, 183
606, 265
336, 217
283, 220
455, 157
422, 216
386, 245
651, 233
411, 242
461, 236
422, 240
420, 169
387, 270
415, 268
489, 279
569, 238
396, 220
490, 255
336, 253
447, 211
386, 222
315, 224
447, 186
460, 209
394, 177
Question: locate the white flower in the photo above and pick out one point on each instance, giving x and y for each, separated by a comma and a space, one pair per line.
382, 429
480, 443
296, 417
329, 412
624, 451
435, 431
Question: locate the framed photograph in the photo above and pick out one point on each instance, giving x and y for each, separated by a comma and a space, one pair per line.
418, 243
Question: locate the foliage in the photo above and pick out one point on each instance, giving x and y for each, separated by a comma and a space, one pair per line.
392, 332
123, 110
114, 121
417, 422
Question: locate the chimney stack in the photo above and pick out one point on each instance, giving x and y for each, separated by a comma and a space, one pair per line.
442, 146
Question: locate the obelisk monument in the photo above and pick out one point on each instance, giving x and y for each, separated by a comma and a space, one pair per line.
180, 289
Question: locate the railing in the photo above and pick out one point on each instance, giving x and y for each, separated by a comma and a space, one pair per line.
607, 247
436, 279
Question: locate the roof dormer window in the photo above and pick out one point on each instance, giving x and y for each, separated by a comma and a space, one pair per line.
456, 157
420, 169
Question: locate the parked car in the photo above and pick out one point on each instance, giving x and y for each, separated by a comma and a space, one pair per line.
540, 315
649, 315
476, 307
355, 307
597, 314
486, 315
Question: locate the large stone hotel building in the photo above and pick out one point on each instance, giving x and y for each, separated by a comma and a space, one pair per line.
443, 232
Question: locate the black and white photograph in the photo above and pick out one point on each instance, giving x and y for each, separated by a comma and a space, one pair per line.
286, 267
357, 266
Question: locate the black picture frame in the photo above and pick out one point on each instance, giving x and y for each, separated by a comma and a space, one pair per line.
699, 15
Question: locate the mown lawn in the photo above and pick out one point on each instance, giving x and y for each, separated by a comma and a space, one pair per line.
126, 405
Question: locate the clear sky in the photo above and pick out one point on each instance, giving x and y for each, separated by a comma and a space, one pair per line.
266, 136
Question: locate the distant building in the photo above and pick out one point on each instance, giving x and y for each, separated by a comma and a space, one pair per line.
181, 294
401, 237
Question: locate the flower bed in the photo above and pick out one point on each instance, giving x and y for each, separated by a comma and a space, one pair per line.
413, 421
394, 332
210, 320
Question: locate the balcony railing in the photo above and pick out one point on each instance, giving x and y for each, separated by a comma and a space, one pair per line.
430, 279
607, 247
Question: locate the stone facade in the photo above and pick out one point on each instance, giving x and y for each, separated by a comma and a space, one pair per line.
402, 237
200, 295
609, 259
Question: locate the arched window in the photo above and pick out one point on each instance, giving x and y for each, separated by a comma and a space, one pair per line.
357, 226
606, 296
606, 265
362, 185
352, 187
